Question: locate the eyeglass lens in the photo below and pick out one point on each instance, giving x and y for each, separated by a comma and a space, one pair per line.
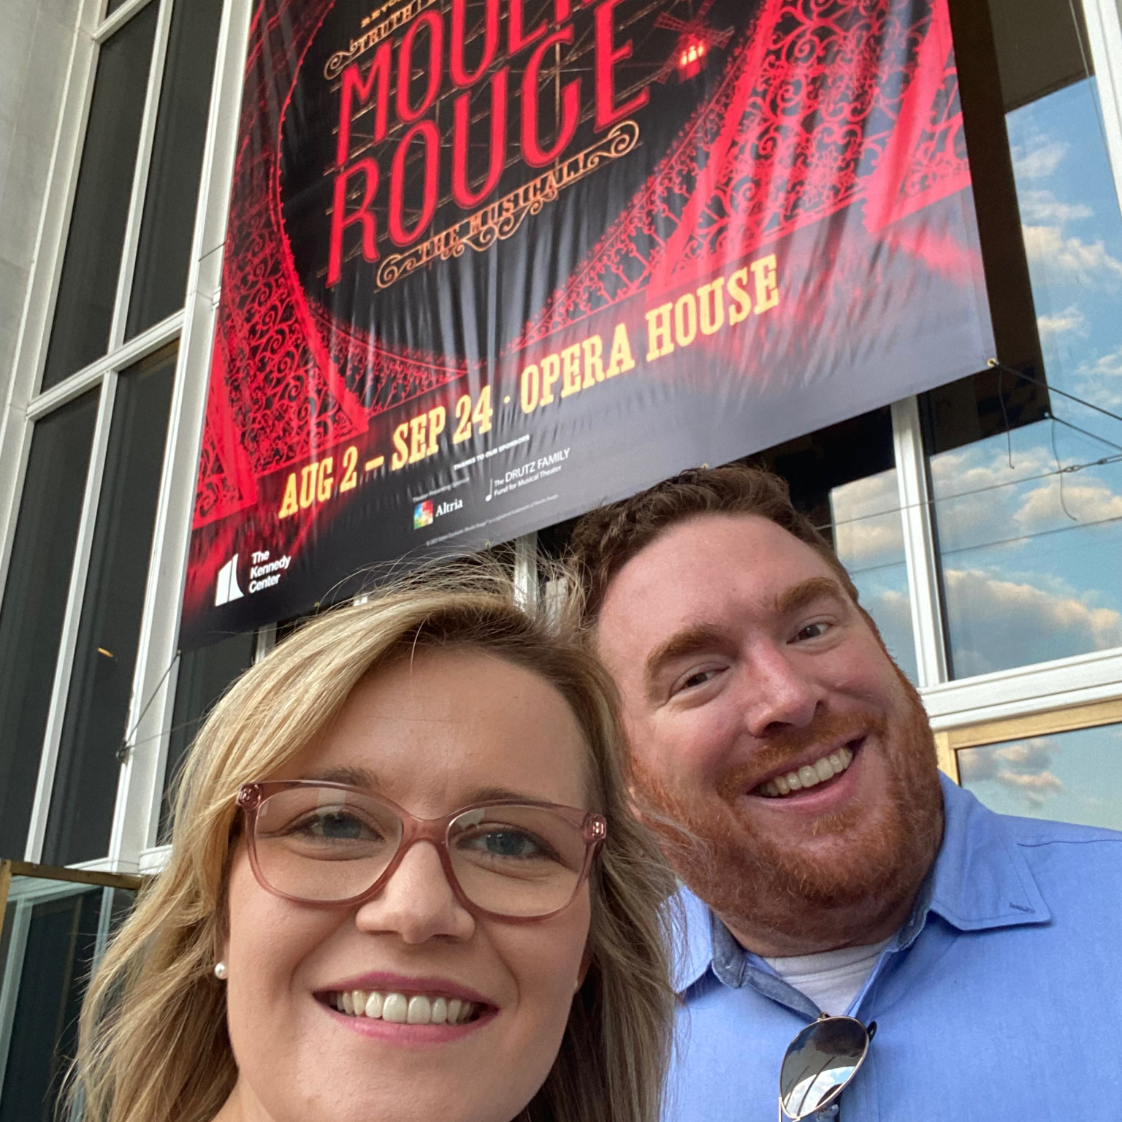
324, 845
820, 1061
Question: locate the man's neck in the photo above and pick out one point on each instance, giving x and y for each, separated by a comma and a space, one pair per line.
850, 927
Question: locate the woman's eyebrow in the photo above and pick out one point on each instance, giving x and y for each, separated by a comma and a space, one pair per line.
499, 795
351, 776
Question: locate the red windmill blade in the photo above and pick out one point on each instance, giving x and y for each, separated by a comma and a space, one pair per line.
695, 39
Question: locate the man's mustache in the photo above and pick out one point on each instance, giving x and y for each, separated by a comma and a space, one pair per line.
790, 745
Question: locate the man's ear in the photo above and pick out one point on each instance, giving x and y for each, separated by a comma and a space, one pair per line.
635, 805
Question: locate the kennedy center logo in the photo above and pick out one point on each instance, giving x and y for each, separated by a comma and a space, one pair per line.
228, 588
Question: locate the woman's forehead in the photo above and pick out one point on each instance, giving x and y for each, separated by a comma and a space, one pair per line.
446, 723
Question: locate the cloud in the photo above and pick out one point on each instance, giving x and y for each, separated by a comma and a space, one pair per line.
1087, 501
1042, 207
1039, 161
1106, 366
997, 623
1071, 321
1046, 246
868, 529
1100, 381
978, 493
1023, 766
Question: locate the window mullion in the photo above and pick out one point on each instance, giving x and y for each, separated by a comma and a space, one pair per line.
140, 177
526, 570
104, 28
136, 821
48, 759
1104, 32
919, 544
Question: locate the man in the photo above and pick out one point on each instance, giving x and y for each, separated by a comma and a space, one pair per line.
790, 771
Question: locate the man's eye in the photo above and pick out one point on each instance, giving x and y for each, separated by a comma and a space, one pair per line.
697, 678
812, 631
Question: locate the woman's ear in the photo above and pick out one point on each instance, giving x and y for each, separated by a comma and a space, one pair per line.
585, 963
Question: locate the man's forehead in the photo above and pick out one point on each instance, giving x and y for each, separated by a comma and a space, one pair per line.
699, 570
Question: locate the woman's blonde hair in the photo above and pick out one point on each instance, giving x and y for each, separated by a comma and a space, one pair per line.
153, 1043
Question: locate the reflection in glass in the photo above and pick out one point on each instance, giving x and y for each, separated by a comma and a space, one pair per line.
204, 676
162, 257
53, 932
820, 1062
1066, 776
869, 539
35, 603
843, 478
88, 286
1029, 521
97, 705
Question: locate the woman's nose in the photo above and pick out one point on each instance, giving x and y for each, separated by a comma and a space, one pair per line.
417, 902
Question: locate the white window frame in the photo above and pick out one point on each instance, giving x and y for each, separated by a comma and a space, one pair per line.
192, 327
1071, 681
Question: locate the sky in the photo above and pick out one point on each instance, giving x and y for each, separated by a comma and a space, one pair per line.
1031, 555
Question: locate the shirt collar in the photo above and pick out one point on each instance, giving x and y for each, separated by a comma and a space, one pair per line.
979, 881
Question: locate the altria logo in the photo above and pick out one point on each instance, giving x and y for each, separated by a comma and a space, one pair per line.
263, 573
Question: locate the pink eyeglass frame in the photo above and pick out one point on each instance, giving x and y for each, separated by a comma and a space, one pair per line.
593, 829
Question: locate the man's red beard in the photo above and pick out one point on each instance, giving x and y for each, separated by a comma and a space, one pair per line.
813, 895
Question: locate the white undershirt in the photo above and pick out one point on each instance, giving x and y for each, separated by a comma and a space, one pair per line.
831, 979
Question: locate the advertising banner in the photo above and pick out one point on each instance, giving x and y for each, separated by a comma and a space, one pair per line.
492, 262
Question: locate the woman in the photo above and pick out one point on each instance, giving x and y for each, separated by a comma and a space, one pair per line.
403, 884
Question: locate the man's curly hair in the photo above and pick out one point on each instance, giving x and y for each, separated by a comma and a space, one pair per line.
607, 538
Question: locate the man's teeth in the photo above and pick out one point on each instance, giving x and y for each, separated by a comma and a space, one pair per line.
809, 775
402, 1010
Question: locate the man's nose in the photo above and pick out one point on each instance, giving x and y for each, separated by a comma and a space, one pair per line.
417, 903
781, 694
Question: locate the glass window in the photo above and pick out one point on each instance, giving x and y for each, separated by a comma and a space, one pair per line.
88, 285
93, 731
844, 479
35, 603
1067, 776
61, 928
58, 951
1029, 514
163, 256
204, 676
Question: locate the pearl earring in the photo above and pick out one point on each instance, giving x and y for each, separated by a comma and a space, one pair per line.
220, 971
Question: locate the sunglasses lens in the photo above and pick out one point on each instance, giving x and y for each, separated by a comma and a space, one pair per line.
819, 1063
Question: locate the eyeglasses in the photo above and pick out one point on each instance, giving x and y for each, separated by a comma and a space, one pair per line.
331, 845
820, 1063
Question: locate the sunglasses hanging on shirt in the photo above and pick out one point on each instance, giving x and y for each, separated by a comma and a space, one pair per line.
820, 1063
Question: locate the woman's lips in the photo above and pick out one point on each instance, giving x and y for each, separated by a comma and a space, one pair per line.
407, 1009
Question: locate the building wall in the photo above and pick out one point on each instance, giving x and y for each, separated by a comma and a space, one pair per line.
35, 48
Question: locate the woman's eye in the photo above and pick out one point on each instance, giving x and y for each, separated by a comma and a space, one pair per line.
812, 631
506, 843
333, 825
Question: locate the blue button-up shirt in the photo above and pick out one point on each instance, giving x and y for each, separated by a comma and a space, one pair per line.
1000, 998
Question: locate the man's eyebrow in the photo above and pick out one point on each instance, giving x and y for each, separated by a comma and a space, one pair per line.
791, 599
703, 636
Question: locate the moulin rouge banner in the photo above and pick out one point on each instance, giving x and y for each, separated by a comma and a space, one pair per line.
492, 262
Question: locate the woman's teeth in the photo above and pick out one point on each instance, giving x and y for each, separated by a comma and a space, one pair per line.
809, 775
402, 1010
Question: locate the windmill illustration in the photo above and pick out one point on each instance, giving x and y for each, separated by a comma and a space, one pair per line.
695, 39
